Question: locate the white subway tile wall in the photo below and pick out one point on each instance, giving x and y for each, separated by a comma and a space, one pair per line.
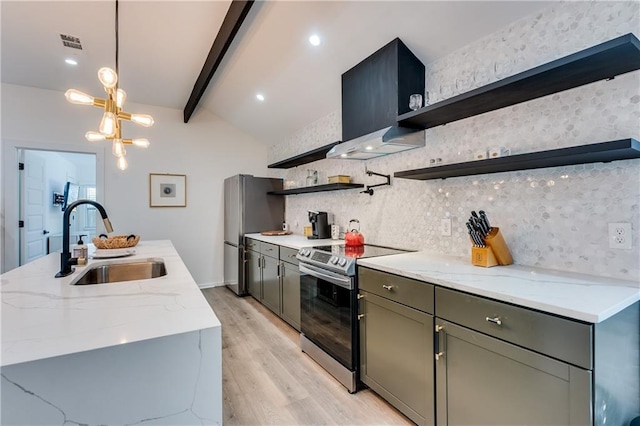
553, 218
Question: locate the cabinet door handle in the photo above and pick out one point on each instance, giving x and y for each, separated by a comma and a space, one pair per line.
438, 348
360, 296
495, 320
360, 316
387, 287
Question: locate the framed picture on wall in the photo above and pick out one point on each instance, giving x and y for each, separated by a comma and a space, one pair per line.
167, 190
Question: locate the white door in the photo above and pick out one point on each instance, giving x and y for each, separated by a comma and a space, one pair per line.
33, 235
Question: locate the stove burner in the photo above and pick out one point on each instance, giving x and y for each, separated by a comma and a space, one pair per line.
342, 258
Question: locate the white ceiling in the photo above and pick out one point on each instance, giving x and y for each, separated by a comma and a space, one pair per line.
163, 46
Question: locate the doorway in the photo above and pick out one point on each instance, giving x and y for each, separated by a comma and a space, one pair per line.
42, 177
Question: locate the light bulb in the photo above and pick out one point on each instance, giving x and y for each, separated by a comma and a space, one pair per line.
108, 124
121, 163
77, 97
142, 119
314, 40
117, 148
107, 77
94, 136
141, 142
121, 96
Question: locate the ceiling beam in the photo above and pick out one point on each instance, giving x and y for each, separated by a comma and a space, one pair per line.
236, 14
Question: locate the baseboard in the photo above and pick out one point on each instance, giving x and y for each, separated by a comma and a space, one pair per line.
209, 285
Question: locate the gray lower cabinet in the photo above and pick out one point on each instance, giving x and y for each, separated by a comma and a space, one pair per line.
262, 260
396, 340
271, 287
493, 363
483, 380
274, 279
254, 273
290, 276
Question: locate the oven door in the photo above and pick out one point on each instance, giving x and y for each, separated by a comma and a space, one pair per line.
327, 312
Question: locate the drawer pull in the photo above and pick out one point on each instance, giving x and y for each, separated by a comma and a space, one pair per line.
495, 320
387, 287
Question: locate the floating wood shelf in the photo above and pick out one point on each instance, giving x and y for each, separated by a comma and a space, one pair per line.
605, 152
304, 158
604, 61
317, 188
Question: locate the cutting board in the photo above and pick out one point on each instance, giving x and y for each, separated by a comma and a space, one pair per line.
274, 233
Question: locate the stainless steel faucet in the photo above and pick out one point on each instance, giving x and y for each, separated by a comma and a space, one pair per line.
65, 257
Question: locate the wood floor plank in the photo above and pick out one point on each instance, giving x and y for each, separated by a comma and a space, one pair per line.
268, 380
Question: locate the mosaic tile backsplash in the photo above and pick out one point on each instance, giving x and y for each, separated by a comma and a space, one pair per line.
555, 218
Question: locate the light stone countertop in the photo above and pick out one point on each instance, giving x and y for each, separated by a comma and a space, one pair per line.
43, 316
581, 297
294, 241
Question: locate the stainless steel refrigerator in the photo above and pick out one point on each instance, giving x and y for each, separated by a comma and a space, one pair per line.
247, 209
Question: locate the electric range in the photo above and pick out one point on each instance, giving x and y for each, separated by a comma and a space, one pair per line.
329, 307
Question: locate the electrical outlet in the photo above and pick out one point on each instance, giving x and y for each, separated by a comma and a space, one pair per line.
620, 236
445, 227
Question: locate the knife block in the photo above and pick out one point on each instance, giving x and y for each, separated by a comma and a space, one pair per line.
495, 253
495, 241
483, 256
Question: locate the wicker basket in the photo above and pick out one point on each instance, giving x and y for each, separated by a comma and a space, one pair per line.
116, 241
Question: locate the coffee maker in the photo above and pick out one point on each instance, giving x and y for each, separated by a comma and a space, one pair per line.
319, 226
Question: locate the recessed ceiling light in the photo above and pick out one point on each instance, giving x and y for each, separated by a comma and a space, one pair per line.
71, 61
314, 40
260, 97
369, 148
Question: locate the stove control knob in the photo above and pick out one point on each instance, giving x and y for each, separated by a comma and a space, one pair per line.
301, 252
334, 259
307, 253
342, 262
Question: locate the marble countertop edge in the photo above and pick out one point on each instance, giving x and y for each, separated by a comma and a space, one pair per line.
581, 297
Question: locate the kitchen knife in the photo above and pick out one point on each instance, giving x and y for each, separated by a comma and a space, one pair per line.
478, 239
477, 226
484, 229
485, 219
472, 233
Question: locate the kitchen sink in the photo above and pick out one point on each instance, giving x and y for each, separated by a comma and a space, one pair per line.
122, 271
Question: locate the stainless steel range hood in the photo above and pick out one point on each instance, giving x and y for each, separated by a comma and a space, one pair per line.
382, 142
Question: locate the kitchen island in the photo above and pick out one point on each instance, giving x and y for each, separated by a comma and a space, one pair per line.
119, 353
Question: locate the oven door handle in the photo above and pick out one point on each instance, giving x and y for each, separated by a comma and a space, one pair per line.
344, 282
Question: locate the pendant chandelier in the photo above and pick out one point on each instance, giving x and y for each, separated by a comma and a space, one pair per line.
110, 126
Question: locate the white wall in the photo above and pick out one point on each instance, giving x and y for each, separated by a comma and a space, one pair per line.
207, 150
58, 170
554, 218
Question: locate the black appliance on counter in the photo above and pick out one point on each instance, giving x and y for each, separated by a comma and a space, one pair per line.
329, 308
247, 208
319, 226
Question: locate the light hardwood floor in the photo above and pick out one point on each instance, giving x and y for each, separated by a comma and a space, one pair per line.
267, 380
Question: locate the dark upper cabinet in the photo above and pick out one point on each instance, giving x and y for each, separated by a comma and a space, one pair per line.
377, 90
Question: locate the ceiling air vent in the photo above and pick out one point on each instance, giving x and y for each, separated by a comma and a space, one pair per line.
71, 41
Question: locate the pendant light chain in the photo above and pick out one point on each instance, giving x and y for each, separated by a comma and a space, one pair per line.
117, 40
